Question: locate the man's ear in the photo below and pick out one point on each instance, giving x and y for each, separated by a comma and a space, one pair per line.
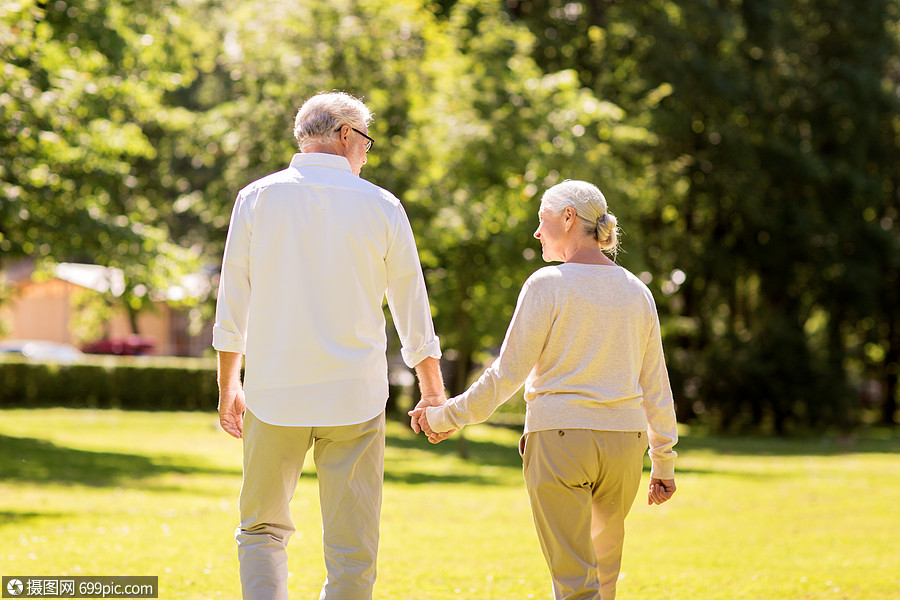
343, 141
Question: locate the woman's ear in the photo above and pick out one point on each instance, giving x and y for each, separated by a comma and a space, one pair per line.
570, 215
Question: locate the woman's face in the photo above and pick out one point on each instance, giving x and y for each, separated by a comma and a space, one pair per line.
551, 231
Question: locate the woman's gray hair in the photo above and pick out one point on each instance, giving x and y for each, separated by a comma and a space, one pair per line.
590, 206
325, 112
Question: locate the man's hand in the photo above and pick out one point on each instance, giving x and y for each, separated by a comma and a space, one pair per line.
434, 400
231, 411
419, 422
431, 385
231, 393
660, 490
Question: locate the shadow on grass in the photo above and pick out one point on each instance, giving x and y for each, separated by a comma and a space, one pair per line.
419, 478
885, 443
492, 454
480, 452
9, 517
39, 461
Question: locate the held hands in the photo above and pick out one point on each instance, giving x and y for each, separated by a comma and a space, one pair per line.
419, 420
231, 411
660, 490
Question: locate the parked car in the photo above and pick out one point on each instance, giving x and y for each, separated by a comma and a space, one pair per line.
42, 350
133, 345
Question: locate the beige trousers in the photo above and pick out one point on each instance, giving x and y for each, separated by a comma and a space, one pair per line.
350, 471
582, 484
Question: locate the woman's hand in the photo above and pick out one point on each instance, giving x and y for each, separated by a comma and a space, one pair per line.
660, 490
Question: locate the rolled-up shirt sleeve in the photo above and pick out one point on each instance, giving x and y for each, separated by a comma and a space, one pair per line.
407, 297
233, 300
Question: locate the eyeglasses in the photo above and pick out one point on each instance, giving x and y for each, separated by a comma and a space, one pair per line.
369, 143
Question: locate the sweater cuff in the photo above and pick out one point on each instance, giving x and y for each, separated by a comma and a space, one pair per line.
437, 419
659, 469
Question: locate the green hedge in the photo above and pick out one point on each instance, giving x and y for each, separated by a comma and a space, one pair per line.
108, 383
134, 383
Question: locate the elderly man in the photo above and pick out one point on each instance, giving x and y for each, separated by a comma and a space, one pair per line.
311, 252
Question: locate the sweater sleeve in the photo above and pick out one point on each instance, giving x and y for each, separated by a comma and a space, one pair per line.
658, 405
519, 353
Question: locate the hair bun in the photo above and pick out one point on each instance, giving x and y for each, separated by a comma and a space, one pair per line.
607, 232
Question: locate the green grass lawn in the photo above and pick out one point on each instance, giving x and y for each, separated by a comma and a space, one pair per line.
124, 493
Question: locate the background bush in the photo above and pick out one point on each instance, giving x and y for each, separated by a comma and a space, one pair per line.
169, 384
132, 383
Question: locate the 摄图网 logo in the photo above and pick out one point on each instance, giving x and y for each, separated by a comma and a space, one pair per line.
14, 587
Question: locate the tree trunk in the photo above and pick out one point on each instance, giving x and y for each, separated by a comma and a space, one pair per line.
892, 370
459, 376
132, 319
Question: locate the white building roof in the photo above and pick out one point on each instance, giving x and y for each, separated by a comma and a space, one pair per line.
110, 279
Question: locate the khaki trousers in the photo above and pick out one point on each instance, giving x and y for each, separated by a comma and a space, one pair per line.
350, 470
582, 484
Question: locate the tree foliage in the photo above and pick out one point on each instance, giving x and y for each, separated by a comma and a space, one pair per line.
85, 171
775, 178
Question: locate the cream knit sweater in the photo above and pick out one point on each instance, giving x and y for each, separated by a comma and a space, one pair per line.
585, 340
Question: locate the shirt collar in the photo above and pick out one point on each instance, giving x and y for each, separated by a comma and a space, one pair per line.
302, 159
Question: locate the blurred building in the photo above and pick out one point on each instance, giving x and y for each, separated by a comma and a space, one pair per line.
41, 308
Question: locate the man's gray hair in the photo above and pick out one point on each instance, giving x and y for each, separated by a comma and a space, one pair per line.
325, 112
590, 206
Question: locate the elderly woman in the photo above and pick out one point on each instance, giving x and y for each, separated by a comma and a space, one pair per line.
585, 340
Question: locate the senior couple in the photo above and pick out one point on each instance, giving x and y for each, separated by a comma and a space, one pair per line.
311, 253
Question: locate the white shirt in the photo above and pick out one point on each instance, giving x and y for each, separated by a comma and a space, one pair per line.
311, 252
585, 340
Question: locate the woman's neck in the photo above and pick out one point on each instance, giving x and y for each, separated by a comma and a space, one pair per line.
589, 255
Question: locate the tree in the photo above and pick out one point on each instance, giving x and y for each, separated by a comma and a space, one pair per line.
86, 127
